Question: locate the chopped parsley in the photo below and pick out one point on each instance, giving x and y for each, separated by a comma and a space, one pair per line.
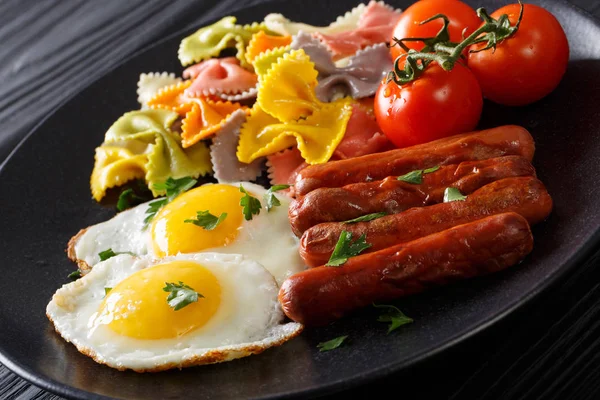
394, 316
127, 199
206, 220
271, 201
180, 295
365, 218
173, 188
332, 344
345, 248
251, 205
74, 275
453, 194
416, 177
107, 290
109, 253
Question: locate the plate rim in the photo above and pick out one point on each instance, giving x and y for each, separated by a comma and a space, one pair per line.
587, 249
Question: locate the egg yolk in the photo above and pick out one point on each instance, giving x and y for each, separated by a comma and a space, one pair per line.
172, 235
137, 307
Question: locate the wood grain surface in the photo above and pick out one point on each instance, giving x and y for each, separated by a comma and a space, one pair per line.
52, 49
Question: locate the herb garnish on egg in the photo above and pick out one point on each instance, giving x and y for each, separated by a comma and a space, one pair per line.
173, 188
180, 295
74, 275
206, 220
345, 248
394, 316
250, 203
270, 199
109, 253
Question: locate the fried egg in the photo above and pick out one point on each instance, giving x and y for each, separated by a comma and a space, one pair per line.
119, 315
266, 238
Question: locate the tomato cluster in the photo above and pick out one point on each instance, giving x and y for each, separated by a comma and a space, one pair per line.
522, 69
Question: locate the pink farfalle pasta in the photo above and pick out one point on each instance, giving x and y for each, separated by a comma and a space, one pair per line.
375, 25
223, 77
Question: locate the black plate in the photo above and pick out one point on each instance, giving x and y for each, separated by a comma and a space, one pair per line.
46, 200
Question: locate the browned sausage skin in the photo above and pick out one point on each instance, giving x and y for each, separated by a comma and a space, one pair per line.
392, 196
481, 145
320, 295
526, 196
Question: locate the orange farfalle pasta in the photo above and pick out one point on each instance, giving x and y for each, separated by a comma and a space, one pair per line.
262, 42
204, 119
172, 98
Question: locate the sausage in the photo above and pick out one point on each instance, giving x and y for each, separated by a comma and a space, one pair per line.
480, 145
526, 196
392, 196
320, 295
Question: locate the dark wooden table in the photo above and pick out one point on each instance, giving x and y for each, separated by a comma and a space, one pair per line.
51, 49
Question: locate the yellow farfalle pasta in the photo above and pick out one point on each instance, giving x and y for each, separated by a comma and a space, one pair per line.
316, 136
165, 156
209, 41
287, 89
172, 98
287, 113
117, 165
205, 119
262, 42
265, 60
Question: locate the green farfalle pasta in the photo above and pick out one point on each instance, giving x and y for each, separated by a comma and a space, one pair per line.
209, 41
166, 157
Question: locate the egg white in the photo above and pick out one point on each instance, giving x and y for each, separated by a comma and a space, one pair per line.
249, 318
267, 238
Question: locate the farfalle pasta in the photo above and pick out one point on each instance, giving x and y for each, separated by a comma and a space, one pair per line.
204, 119
360, 77
283, 26
165, 156
222, 77
293, 95
375, 25
209, 41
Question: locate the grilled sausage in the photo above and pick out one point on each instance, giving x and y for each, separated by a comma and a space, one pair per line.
392, 196
481, 145
320, 295
526, 196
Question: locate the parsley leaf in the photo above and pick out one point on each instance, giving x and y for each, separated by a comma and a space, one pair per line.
107, 290
453, 194
332, 344
173, 188
365, 218
206, 220
394, 316
180, 295
74, 275
109, 253
251, 205
128, 199
416, 177
270, 199
344, 249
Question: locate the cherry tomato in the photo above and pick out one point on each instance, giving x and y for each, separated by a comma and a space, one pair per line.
528, 65
461, 16
435, 105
